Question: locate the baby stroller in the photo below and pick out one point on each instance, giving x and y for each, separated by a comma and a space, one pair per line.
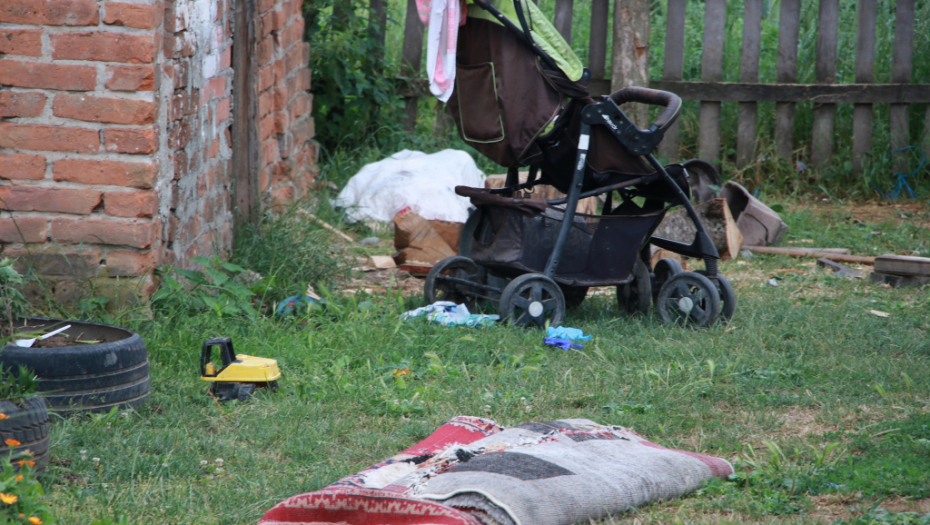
521, 99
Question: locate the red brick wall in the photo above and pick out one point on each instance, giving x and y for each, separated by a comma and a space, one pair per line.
115, 140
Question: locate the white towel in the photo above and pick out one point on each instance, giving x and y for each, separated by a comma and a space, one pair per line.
443, 18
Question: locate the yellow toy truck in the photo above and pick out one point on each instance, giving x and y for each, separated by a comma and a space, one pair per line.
240, 374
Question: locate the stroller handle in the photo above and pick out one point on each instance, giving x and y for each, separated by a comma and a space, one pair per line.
653, 97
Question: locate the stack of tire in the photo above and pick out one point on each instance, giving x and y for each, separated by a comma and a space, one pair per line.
28, 426
93, 377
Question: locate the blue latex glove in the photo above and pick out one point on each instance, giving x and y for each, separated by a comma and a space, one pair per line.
564, 344
564, 332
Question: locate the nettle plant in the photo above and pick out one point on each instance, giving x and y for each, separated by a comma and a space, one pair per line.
12, 302
222, 288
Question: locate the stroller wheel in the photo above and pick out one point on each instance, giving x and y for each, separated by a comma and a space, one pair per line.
636, 296
438, 288
664, 270
727, 296
532, 299
689, 298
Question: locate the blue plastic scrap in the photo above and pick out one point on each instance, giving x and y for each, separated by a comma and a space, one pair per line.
564, 344
291, 304
564, 332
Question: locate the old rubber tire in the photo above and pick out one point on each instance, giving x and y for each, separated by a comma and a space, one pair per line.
531, 299
29, 425
86, 377
727, 296
664, 270
689, 299
437, 289
636, 297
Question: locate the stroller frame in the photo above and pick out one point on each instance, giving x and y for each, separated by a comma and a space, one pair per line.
465, 276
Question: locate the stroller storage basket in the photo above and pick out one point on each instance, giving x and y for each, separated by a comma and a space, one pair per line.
600, 250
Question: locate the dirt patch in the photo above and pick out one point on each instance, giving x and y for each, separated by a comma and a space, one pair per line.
920, 506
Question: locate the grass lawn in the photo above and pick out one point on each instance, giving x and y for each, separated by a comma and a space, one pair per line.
824, 406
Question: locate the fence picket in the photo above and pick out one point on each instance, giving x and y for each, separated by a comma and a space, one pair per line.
410, 58
715, 14
563, 19
749, 72
828, 27
901, 73
597, 47
865, 74
673, 67
786, 72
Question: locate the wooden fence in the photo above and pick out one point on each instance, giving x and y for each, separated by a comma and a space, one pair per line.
630, 67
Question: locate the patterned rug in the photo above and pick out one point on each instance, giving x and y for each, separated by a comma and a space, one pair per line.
473, 472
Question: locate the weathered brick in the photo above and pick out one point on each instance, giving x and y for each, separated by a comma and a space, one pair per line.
281, 122
104, 46
131, 78
293, 59
24, 229
291, 34
264, 51
265, 103
179, 134
226, 58
110, 172
60, 200
22, 166
265, 77
214, 149
281, 97
26, 42
264, 5
131, 203
178, 105
266, 127
173, 223
48, 138
49, 12
214, 88
304, 76
99, 109
180, 165
222, 110
174, 21
90, 231
132, 141
47, 76
21, 104
125, 263
133, 15
267, 153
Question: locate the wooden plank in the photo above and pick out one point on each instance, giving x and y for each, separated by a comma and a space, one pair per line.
673, 67
748, 72
715, 15
786, 72
412, 54
630, 58
563, 19
597, 46
820, 93
809, 252
901, 73
828, 27
244, 134
901, 265
865, 74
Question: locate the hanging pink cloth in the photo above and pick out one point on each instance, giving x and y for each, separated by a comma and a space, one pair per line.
443, 18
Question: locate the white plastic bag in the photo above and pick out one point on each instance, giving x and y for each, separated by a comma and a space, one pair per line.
424, 182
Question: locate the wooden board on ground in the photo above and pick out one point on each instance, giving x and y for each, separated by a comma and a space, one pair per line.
381, 262
834, 254
899, 281
717, 220
587, 206
901, 265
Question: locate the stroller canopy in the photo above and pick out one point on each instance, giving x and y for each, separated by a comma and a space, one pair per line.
542, 32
